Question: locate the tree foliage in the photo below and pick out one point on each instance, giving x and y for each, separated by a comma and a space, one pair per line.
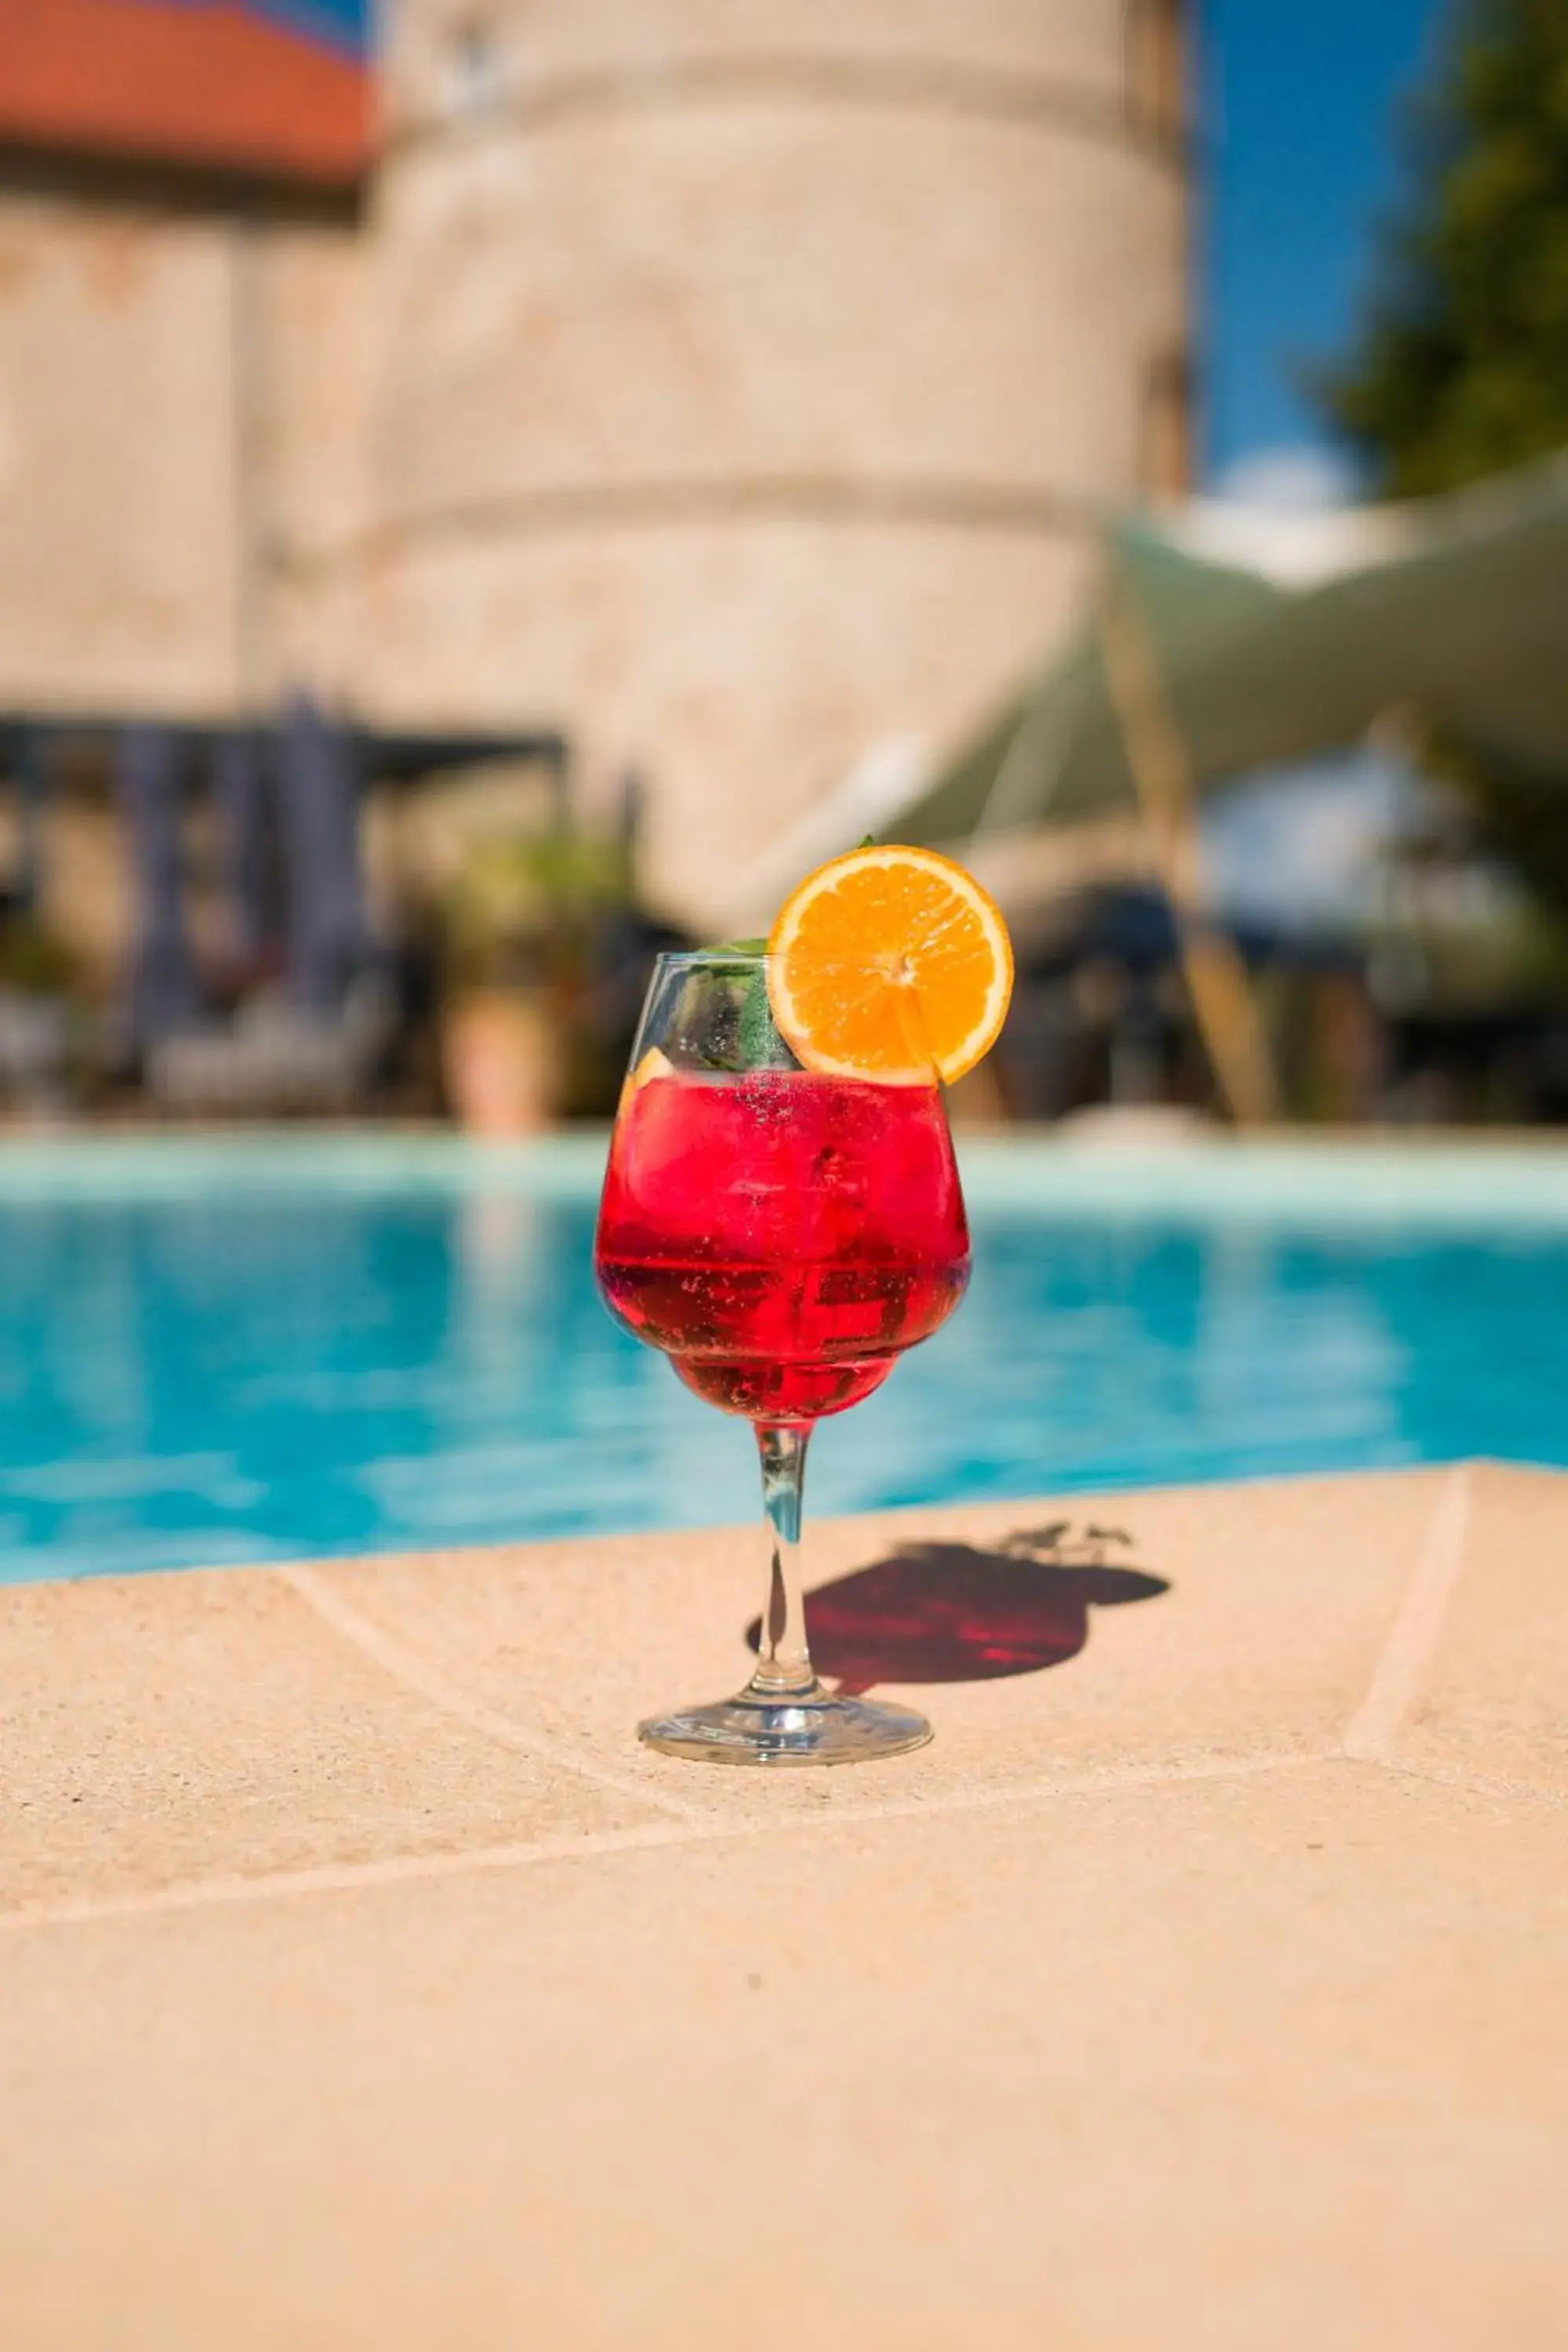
1460, 368
1461, 364
1517, 818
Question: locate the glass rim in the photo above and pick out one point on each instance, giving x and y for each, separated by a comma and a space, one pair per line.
694, 958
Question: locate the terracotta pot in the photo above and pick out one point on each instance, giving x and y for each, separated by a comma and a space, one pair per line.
501, 1063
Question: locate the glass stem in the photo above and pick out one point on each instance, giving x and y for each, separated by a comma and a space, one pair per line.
784, 1662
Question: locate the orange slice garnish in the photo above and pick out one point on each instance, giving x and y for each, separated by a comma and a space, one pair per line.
891, 964
654, 1065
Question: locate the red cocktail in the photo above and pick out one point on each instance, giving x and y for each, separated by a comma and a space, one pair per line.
783, 1236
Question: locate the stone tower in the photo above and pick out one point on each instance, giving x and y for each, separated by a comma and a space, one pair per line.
742, 382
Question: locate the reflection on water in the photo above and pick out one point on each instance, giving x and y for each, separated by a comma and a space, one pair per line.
211, 1380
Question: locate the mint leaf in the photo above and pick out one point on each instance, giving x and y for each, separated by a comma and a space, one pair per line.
760, 1046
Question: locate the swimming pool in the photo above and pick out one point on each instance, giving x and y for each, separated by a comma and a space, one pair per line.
224, 1350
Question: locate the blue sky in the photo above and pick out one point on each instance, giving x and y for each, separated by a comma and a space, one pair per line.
1299, 103
346, 22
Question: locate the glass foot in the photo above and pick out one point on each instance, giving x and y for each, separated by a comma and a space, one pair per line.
808, 1728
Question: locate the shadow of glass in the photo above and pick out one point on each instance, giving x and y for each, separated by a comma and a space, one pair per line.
949, 1613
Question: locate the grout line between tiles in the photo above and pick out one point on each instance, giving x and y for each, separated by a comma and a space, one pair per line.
1413, 1638
330, 1878
1473, 1784
418, 1675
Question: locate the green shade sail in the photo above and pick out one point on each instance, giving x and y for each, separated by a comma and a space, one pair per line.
1279, 637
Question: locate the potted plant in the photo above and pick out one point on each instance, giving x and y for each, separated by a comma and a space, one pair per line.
517, 924
39, 1014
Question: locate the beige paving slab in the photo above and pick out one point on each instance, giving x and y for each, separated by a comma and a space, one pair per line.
1490, 1697
1239, 1621
163, 1728
1269, 2059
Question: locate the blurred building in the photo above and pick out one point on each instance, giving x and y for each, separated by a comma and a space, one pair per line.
734, 385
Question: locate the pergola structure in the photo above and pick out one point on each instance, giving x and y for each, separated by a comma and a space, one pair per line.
37, 748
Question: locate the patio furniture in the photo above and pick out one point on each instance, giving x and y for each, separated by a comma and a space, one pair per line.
279, 1059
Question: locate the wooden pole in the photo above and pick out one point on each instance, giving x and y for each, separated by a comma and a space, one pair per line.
1222, 995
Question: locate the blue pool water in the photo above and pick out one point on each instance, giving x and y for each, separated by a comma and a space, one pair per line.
232, 1351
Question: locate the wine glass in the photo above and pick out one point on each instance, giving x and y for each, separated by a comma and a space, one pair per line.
783, 1235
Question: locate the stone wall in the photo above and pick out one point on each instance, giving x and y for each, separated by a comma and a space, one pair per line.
119, 498
313, 452
182, 432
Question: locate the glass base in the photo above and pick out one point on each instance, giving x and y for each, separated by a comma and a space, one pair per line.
809, 1727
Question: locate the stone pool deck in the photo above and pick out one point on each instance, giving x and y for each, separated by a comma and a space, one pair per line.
364, 1989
